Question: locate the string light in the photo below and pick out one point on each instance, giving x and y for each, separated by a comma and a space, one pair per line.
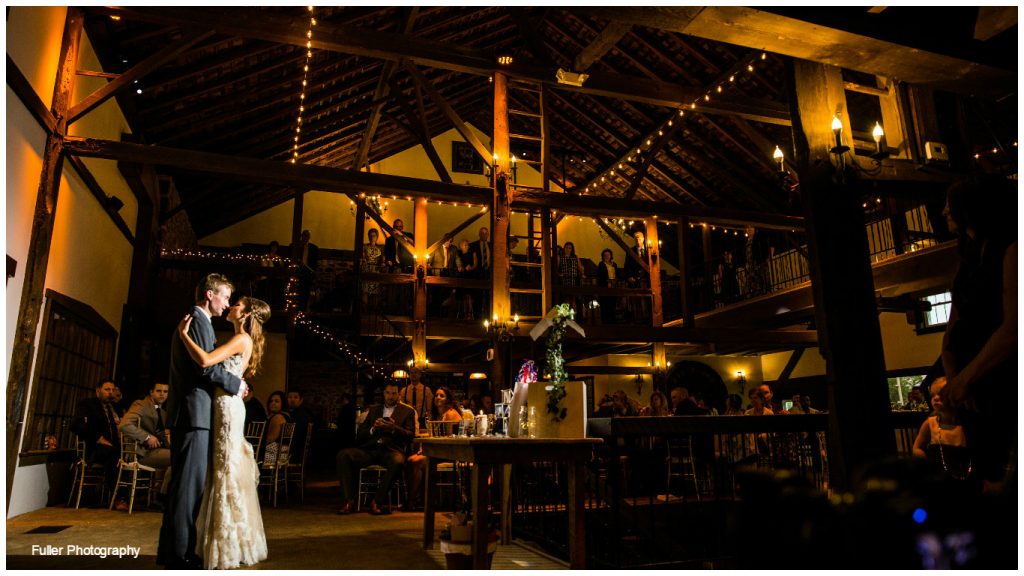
353, 354
305, 82
718, 86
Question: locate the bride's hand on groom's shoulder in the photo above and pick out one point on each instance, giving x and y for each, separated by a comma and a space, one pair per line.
184, 324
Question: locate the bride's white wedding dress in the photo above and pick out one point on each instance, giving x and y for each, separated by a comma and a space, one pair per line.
229, 529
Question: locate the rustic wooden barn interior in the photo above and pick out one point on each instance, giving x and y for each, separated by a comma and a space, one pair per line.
148, 146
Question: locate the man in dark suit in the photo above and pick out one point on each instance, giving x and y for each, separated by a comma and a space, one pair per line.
96, 423
302, 418
383, 439
145, 422
395, 252
482, 249
636, 277
190, 411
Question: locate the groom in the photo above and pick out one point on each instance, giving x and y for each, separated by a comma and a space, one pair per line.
190, 410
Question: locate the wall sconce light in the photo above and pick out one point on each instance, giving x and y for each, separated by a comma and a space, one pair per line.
837, 129
741, 377
881, 152
505, 59
513, 162
780, 158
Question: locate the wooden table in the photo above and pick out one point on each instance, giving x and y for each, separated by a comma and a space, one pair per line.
487, 454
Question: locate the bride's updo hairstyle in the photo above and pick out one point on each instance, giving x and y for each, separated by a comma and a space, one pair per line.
256, 312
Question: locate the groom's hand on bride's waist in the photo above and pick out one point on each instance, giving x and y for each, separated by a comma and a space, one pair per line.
242, 388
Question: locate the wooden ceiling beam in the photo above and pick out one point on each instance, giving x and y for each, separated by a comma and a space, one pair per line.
391, 46
277, 173
763, 30
599, 46
383, 87
136, 72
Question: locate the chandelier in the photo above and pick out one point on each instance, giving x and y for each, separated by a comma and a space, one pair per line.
502, 329
372, 202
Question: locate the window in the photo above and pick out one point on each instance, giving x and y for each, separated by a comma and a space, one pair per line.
872, 99
77, 350
939, 314
900, 387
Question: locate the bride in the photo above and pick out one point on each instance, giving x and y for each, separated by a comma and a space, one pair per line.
229, 528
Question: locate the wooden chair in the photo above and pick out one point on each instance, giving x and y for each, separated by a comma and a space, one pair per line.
85, 475
274, 469
129, 465
296, 471
254, 434
680, 462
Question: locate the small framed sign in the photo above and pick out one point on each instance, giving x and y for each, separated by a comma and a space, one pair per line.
465, 159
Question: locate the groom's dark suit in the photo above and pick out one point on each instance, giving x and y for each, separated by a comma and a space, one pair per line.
189, 412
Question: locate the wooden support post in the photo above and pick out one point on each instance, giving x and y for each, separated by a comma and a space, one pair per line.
654, 258
709, 284
357, 261
685, 294
38, 256
546, 272
297, 225
844, 299
501, 214
419, 310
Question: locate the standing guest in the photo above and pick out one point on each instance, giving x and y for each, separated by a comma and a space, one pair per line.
96, 423
417, 395
766, 397
383, 439
729, 285
277, 417
802, 405
607, 274
658, 406
482, 249
466, 262
254, 410
302, 418
734, 405
396, 254
636, 276
570, 269
371, 261
308, 255
145, 423
979, 349
758, 404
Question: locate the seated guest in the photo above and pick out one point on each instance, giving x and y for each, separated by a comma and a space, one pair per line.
487, 403
383, 439
684, 405
302, 418
941, 437
254, 410
417, 395
277, 417
146, 423
119, 403
658, 406
443, 408
916, 401
96, 424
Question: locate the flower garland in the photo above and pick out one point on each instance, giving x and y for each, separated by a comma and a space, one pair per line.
556, 364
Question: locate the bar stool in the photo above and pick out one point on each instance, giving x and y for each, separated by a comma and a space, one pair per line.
370, 478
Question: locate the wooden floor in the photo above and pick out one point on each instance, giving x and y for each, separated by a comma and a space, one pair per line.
309, 536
